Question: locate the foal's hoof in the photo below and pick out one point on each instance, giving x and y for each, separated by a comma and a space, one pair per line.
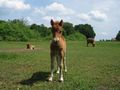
66, 71
57, 72
50, 79
61, 80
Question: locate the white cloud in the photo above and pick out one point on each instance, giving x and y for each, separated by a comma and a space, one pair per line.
14, 4
103, 33
84, 17
98, 15
48, 18
58, 7
55, 8
41, 11
93, 15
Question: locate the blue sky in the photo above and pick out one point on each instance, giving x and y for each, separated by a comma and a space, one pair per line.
103, 15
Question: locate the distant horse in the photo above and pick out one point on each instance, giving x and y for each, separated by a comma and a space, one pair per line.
58, 50
91, 40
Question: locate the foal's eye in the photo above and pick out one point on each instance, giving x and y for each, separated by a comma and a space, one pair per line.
60, 31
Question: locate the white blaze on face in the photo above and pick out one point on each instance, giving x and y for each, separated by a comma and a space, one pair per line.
56, 39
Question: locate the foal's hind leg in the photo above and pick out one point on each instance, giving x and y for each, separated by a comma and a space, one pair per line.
64, 62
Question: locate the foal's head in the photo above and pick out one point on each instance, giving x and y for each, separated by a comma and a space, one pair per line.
56, 29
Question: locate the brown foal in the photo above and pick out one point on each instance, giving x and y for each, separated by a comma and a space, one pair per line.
58, 50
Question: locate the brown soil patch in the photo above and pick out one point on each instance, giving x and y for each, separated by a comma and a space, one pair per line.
18, 50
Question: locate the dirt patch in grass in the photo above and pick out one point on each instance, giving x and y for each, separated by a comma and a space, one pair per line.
18, 50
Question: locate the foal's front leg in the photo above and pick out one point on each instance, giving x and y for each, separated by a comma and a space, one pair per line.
58, 68
52, 67
61, 69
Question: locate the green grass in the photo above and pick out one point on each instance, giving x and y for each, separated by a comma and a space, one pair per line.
89, 68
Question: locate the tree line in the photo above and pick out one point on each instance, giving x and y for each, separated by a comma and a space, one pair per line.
118, 36
20, 30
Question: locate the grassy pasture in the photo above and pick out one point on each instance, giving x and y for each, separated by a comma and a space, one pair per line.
89, 68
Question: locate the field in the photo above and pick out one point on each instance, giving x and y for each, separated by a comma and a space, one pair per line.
89, 68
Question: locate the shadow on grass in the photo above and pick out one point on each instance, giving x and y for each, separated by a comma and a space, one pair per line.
38, 76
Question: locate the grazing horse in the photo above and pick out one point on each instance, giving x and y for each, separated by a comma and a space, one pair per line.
91, 40
58, 50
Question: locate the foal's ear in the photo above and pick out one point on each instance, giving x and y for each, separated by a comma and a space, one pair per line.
61, 23
51, 22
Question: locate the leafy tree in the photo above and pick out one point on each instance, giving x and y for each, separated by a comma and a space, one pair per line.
118, 36
44, 31
68, 28
2, 21
35, 27
41, 29
19, 30
86, 30
16, 30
